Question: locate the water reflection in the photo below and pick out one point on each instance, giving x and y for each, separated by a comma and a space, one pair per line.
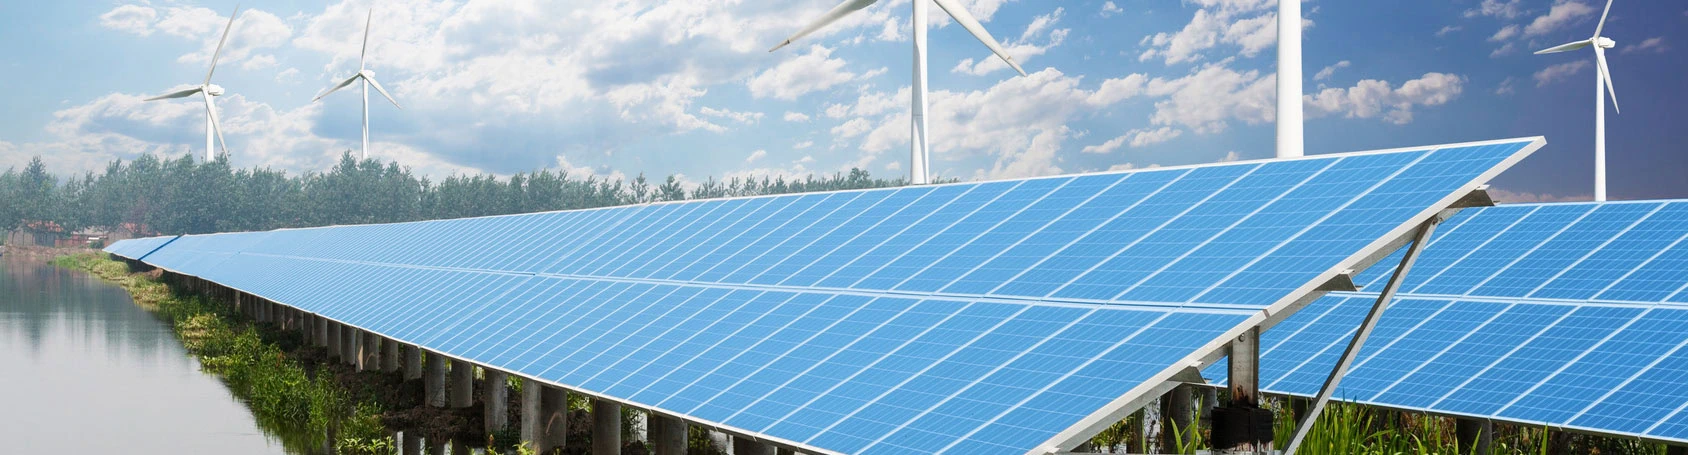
82, 370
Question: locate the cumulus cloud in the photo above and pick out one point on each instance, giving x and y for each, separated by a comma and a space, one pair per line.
756, 155
1136, 138
1563, 12
807, 73
256, 30
1655, 45
1329, 71
1374, 98
740, 117
1560, 72
1509, 9
1507, 87
136, 19
1250, 25
1447, 30
796, 117
1109, 9
1022, 49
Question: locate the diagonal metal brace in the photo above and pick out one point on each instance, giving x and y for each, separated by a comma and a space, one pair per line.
1360, 335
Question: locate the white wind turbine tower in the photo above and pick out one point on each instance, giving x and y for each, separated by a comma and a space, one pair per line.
367, 77
207, 90
1602, 85
1290, 138
918, 155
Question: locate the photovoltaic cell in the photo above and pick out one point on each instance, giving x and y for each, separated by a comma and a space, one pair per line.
1565, 314
994, 317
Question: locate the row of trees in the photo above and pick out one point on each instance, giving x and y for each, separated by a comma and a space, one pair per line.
182, 196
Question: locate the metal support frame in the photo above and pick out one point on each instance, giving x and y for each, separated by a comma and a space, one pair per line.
1360, 335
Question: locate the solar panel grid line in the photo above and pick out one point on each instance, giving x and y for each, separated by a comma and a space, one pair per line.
859, 233
585, 252
1596, 249
850, 261
711, 298
1148, 233
577, 236
1673, 413
642, 252
1064, 376
906, 252
1639, 265
760, 211
1441, 352
528, 315
1050, 222
732, 244
1678, 292
659, 267
809, 217
830, 226
1551, 253
757, 254
1498, 234
1392, 341
782, 354
999, 367
1272, 345
758, 341
1334, 342
1498, 359
464, 286
1574, 361
618, 319
523, 260
1036, 265
597, 313
1448, 229
1238, 222
701, 331
1532, 249
929, 366
1637, 374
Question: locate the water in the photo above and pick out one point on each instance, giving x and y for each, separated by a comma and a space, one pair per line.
83, 370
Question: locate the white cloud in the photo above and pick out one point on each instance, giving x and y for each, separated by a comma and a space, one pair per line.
1109, 9
1374, 98
1248, 24
664, 101
1654, 45
1329, 71
807, 73
796, 117
1106, 147
741, 117
1022, 49
1505, 33
1563, 12
1136, 138
803, 145
756, 155
1509, 9
1507, 87
1208, 99
1445, 31
136, 19
259, 62
1230, 156
287, 76
1560, 72
852, 128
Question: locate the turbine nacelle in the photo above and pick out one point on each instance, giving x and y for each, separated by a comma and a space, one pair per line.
214, 90
1604, 42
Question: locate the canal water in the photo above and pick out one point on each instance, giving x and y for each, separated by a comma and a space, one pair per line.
83, 370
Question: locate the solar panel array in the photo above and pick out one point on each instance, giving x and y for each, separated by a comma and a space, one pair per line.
989, 317
138, 248
1571, 315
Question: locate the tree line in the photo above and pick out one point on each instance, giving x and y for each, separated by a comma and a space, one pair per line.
182, 196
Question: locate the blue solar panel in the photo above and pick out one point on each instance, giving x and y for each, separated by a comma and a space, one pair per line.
1545, 314
981, 317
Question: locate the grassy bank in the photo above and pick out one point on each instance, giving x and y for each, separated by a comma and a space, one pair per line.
302, 403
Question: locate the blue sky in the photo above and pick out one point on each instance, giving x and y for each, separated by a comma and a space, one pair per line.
671, 87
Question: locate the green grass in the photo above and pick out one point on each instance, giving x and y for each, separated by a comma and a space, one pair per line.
300, 409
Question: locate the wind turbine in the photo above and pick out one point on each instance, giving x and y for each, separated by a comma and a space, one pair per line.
1602, 85
367, 78
918, 142
207, 90
1290, 129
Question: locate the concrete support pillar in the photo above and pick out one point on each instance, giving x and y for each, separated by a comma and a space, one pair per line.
554, 417
1475, 436
606, 427
412, 362
435, 446
462, 384
742, 446
720, 442
411, 444
667, 435
532, 396
348, 345
433, 381
369, 351
495, 400
1176, 430
331, 338
389, 355
319, 324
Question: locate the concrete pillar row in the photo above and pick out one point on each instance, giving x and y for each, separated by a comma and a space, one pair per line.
389, 355
495, 400
331, 338
667, 435
532, 398
433, 381
369, 351
553, 416
462, 385
606, 427
412, 362
348, 345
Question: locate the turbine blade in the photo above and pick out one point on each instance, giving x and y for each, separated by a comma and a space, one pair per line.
1602, 24
365, 53
342, 85
220, 43
838, 12
180, 94
383, 91
961, 16
1571, 46
216, 123
1606, 76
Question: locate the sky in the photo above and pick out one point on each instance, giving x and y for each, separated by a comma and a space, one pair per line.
689, 88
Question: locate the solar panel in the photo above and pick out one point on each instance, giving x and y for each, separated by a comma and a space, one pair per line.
1010, 316
1567, 314
137, 248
